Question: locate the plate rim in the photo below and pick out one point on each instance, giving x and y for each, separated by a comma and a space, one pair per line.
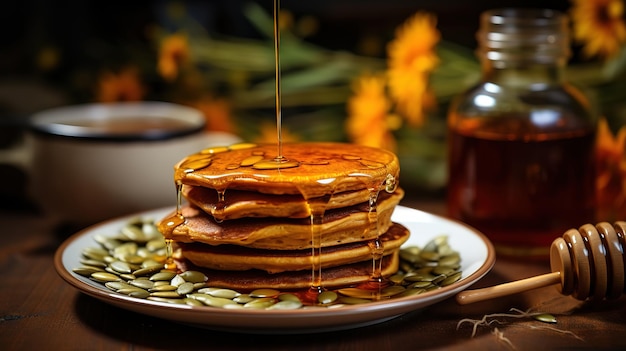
343, 318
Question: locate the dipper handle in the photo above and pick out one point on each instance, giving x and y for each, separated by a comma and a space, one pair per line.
477, 295
587, 263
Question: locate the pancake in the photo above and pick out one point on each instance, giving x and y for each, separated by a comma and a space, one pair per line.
239, 258
312, 169
240, 204
339, 276
339, 226
253, 219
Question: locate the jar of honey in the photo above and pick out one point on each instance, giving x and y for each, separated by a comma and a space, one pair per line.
521, 141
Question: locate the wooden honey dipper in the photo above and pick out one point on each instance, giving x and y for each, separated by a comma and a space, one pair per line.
588, 263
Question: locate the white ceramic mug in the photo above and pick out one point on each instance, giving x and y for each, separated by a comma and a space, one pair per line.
87, 163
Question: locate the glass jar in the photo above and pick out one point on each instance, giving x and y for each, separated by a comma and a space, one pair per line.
521, 141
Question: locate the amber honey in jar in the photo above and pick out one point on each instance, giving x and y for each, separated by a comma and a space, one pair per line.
521, 160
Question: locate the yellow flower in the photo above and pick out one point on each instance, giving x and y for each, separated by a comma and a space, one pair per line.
369, 121
611, 173
599, 24
411, 59
173, 53
122, 86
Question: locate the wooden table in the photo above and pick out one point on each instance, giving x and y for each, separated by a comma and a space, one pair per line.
40, 311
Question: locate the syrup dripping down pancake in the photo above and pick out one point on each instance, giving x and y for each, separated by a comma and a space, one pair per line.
339, 276
239, 258
339, 226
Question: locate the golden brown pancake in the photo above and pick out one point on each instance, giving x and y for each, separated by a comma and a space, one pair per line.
339, 276
312, 170
240, 204
339, 226
239, 258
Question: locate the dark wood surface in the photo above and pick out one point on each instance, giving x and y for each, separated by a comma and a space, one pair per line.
40, 311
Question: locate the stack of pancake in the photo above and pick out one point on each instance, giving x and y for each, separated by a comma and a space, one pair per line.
252, 220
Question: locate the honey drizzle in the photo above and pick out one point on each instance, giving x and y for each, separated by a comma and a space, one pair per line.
220, 206
376, 245
167, 226
317, 207
279, 157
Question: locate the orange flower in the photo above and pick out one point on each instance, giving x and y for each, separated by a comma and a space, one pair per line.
173, 53
217, 112
411, 59
369, 121
599, 24
122, 86
611, 173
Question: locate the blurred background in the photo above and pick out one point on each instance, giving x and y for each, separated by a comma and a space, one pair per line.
217, 56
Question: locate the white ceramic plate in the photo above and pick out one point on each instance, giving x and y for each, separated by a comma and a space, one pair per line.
477, 255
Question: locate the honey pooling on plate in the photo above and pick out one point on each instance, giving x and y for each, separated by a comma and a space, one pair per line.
587, 263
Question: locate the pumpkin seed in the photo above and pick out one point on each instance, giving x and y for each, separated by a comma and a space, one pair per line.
133, 233
289, 297
165, 299
194, 276
117, 285
210, 300
327, 297
396, 278
163, 275
155, 244
128, 248
93, 263
223, 293
121, 267
192, 302
87, 271
420, 284
142, 283
177, 281
243, 298
95, 253
104, 277
185, 288
166, 287
286, 305
264, 293
451, 279
545, 317
148, 270
411, 292
138, 293
127, 277
170, 294
259, 303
